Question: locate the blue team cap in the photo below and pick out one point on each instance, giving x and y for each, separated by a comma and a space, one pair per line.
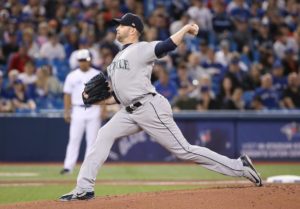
277, 64
18, 81
132, 20
289, 51
235, 60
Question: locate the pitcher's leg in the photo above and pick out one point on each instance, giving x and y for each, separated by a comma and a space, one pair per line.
75, 136
119, 125
160, 125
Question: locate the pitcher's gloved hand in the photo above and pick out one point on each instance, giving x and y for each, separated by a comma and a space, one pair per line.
96, 90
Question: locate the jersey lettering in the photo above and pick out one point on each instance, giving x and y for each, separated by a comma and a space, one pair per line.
119, 64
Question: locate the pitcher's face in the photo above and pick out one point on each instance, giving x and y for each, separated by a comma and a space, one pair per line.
123, 32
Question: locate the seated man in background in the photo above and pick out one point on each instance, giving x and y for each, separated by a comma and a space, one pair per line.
291, 95
269, 96
20, 99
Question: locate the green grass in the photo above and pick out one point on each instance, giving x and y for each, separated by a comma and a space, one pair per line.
53, 192
11, 194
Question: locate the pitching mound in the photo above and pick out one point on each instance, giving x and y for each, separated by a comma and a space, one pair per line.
226, 197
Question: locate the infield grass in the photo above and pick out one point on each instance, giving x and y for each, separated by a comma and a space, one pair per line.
20, 183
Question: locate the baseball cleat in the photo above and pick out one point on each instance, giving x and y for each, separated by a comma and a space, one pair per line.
65, 171
77, 196
250, 172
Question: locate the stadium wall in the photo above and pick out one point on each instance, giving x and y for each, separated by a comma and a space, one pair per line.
264, 136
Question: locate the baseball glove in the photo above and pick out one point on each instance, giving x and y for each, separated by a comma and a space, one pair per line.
96, 90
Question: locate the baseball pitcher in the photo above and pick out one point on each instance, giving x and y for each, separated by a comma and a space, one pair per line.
142, 108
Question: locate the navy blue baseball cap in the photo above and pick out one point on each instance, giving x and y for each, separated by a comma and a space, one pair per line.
132, 20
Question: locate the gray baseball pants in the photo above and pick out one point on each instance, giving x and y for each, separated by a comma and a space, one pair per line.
156, 119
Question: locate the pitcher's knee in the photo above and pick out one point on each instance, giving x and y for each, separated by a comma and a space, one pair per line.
183, 154
106, 134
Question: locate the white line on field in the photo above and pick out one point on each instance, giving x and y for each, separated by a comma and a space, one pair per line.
18, 174
20, 184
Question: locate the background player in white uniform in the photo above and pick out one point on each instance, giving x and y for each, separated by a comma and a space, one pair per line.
82, 119
143, 109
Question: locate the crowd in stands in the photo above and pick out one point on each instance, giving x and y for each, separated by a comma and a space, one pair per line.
246, 55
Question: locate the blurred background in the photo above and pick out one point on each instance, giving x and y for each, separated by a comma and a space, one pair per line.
235, 88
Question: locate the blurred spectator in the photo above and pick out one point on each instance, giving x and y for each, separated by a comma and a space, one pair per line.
263, 37
10, 47
290, 62
242, 35
28, 76
267, 60
5, 103
28, 39
165, 86
203, 85
211, 65
252, 79
46, 83
223, 55
203, 50
181, 54
177, 25
236, 102
42, 36
201, 15
290, 39
112, 10
150, 34
281, 44
54, 86
226, 91
20, 99
107, 53
183, 81
159, 20
188, 94
195, 70
34, 8
178, 8
71, 40
238, 8
279, 80
268, 95
291, 95
52, 49
207, 102
221, 22
235, 73
18, 59
8, 88
100, 26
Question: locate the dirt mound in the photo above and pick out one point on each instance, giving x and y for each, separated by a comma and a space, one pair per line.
271, 196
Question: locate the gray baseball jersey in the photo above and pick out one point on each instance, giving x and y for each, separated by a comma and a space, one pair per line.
130, 74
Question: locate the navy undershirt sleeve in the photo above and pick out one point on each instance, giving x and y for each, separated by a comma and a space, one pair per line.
163, 47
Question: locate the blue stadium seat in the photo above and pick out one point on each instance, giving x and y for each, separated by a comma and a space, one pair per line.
39, 62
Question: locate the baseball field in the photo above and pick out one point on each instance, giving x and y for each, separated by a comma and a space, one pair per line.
172, 186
